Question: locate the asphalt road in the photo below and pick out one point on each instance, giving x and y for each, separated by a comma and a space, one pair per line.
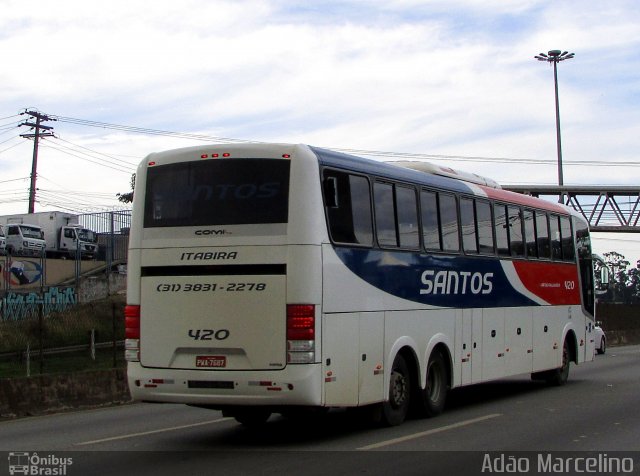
594, 415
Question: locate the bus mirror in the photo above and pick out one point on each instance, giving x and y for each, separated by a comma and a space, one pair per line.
331, 192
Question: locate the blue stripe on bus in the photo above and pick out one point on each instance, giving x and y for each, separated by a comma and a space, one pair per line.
435, 280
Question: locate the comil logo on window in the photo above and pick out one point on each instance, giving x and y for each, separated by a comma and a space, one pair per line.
22, 462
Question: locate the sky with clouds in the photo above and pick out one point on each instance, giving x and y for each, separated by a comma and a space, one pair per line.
437, 77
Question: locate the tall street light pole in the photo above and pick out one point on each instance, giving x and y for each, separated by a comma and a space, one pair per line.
555, 56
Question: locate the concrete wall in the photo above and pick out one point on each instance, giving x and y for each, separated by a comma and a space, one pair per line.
93, 288
54, 393
621, 323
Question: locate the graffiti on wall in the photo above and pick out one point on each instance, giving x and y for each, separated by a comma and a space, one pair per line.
22, 305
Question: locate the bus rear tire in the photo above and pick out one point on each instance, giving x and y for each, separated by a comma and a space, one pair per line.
251, 417
394, 411
434, 395
559, 376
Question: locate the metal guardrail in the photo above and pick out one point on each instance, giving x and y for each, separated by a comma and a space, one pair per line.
60, 350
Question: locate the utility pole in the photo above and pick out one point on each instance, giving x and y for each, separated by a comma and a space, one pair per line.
37, 133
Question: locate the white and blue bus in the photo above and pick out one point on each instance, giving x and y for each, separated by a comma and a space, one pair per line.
273, 278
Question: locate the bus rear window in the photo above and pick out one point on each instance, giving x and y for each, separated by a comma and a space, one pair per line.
217, 192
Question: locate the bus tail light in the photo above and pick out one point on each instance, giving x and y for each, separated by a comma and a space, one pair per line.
132, 333
301, 324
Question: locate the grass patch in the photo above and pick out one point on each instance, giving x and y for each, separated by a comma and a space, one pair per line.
63, 329
62, 363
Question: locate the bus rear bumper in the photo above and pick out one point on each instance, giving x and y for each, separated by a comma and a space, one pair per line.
298, 385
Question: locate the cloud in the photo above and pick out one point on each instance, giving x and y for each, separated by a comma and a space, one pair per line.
430, 76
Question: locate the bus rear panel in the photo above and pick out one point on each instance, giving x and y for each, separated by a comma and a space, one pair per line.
220, 308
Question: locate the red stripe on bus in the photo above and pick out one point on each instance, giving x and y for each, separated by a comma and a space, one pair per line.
521, 199
556, 283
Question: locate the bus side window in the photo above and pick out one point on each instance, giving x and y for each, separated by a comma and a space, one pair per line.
516, 243
502, 234
447, 206
429, 209
568, 250
485, 227
554, 232
530, 234
407, 208
348, 207
386, 231
542, 233
468, 223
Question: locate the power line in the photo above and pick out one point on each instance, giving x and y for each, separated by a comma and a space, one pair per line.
9, 148
372, 153
409, 155
8, 130
10, 117
81, 193
83, 156
10, 139
10, 125
147, 131
110, 165
14, 180
59, 198
95, 152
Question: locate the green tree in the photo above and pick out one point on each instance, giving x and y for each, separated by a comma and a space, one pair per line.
128, 197
634, 285
619, 265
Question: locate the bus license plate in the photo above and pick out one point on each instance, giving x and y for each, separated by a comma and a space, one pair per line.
211, 361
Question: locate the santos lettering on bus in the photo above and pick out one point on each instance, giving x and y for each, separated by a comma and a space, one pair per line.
237, 191
454, 282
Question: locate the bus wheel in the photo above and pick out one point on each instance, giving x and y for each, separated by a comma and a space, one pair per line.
435, 392
250, 417
560, 375
394, 411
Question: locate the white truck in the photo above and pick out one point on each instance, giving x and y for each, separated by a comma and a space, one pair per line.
23, 239
60, 233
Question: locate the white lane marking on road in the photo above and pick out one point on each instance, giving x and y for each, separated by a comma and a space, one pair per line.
429, 432
151, 432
